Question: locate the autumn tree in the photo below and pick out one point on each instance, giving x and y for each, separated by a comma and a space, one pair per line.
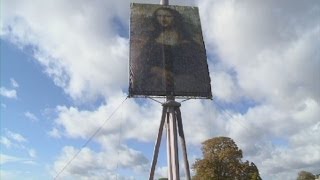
222, 161
304, 175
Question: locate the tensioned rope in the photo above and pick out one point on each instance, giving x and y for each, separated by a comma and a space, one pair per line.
223, 111
119, 142
118, 107
90, 138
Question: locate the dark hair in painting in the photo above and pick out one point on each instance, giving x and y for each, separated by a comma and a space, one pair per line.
178, 23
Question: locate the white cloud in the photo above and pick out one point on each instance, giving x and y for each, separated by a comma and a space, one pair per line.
133, 122
16, 137
124, 125
200, 116
277, 140
32, 153
6, 142
91, 61
13, 140
19, 174
264, 51
161, 172
130, 118
310, 135
9, 93
54, 133
77, 44
271, 48
4, 159
7, 175
14, 83
97, 164
7, 159
225, 87
31, 116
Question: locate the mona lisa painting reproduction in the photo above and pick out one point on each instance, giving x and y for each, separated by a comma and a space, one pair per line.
167, 53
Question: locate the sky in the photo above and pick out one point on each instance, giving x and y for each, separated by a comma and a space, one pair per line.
64, 76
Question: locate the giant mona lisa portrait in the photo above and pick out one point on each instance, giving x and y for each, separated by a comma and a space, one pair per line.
167, 53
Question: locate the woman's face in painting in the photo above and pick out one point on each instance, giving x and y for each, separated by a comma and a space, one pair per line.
164, 17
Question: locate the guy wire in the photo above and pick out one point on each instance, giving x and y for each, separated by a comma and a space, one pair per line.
119, 142
90, 138
247, 129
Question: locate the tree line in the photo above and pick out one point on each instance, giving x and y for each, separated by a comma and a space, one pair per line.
222, 160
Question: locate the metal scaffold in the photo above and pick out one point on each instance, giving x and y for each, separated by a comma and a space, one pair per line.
171, 119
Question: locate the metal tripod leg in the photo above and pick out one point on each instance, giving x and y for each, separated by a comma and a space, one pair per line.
171, 117
183, 143
157, 145
173, 145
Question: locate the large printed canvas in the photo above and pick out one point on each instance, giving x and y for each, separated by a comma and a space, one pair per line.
167, 53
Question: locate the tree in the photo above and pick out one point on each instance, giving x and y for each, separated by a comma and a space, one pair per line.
304, 175
222, 161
